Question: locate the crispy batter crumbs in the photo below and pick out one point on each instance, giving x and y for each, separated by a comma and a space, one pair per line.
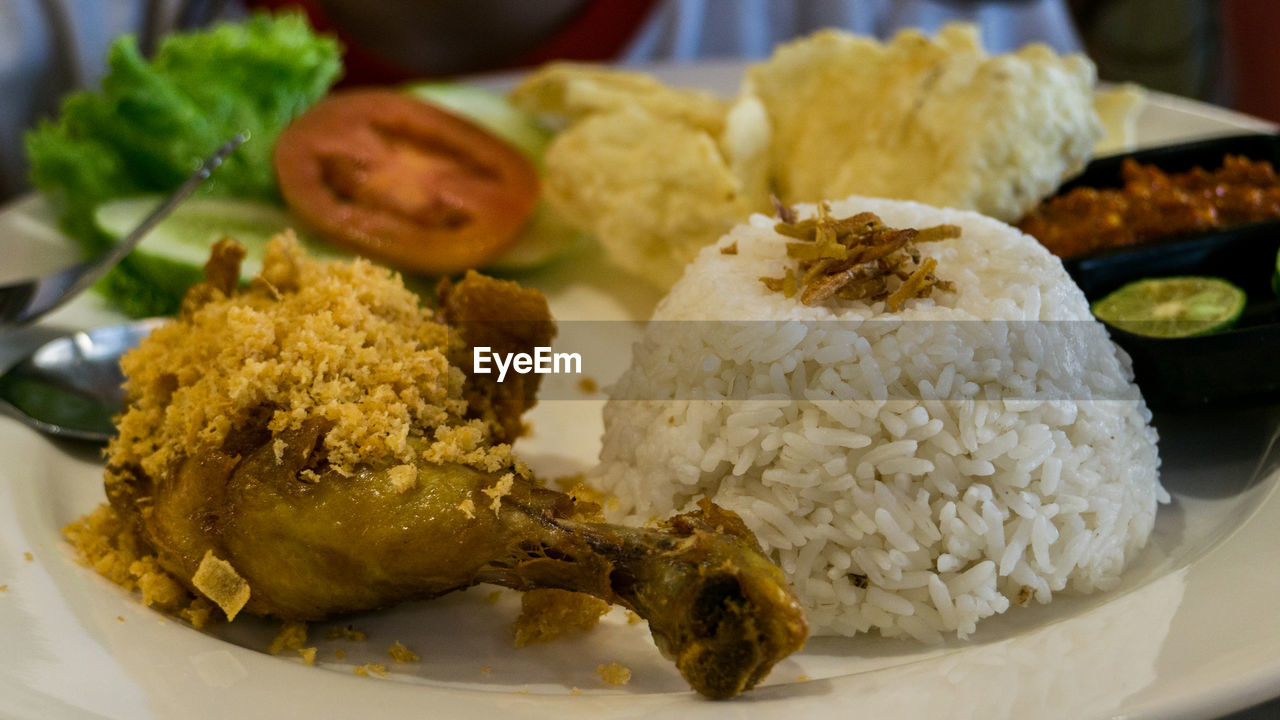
588, 503
588, 385
292, 636
120, 618
802, 678
108, 545
633, 618
614, 673
566, 482
403, 477
29, 557
343, 342
493, 597
575, 691
486, 669
857, 258
346, 633
546, 614
584, 493
158, 587
306, 341
468, 508
199, 613
468, 444
219, 582
402, 654
308, 655
369, 669
730, 249
1024, 596
340, 653
4, 588
499, 490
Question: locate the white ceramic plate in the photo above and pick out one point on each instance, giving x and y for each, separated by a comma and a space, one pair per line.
1193, 632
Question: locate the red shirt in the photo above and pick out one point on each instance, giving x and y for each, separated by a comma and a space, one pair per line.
597, 32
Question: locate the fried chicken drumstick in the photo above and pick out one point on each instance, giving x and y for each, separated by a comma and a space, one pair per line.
319, 435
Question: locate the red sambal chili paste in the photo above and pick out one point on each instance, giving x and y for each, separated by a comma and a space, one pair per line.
1154, 204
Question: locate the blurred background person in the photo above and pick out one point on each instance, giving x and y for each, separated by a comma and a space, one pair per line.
50, 47
1196, 48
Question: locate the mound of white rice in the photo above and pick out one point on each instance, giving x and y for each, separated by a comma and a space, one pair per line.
915, 471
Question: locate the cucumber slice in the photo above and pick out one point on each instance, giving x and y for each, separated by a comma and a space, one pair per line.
490, 111
547, 236
544, 239
179, 246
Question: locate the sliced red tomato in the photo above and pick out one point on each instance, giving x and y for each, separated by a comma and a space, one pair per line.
404, 183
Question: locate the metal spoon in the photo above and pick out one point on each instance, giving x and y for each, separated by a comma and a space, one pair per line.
25, 300
70, 386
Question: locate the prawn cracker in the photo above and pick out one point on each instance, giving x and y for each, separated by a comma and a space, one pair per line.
653, 189
935, 120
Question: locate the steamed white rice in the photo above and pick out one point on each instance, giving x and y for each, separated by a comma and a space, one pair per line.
912, 472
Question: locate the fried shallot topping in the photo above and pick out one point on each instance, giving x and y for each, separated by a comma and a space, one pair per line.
857, 258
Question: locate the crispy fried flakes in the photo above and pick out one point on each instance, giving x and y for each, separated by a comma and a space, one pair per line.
218, 581
110, 546
935, 120
546, 614
614, 673
857, 258
292, 636
402, 654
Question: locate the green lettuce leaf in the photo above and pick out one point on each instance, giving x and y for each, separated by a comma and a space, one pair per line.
154, 121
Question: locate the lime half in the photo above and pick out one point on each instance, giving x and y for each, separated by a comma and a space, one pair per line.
1172, 307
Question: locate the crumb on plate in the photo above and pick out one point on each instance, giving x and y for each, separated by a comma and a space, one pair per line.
108, 545
614, 673
369, 669
292, 636
546, 614
402, 654
346, 632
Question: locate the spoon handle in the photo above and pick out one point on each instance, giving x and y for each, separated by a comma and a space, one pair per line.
23, 302
99, 267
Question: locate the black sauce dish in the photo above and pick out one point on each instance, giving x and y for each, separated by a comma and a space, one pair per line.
1239, 366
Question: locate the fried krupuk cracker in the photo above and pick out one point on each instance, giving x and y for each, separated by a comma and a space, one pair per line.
935, 120
218, 581
653, 190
